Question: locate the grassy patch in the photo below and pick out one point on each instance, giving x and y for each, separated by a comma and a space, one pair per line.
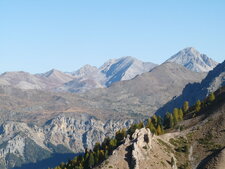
167, 147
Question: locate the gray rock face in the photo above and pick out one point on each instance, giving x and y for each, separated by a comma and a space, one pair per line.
193, 60
70, 133
124, 68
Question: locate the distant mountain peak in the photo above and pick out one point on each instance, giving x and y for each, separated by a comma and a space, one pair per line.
193, 60
51, 72
57, 76
85, 70
124, 68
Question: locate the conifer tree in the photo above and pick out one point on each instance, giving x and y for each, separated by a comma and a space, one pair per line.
101, 155
181, 114
140, 125
211, 97
120, 135
152, 128
171, 124
159, 120
198, 106
91, 160
97, 146
175, 115
154, 120
106, 154
96, 156
112, 145
159, 130
166, 122
185, 106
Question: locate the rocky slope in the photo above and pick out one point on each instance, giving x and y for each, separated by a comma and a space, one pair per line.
193, 60
200, 143
57, 77
198, 91
143, 151
122, 100
22, 144
22, 80
214, 161
147, 92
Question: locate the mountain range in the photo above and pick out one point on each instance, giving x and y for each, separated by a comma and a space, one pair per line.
89, 77
54, 114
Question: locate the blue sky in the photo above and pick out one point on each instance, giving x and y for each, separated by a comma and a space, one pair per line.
37, 35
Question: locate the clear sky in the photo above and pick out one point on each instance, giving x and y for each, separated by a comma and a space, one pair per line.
37, 35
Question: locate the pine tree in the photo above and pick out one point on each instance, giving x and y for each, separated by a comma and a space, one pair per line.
211, 97
120, 135
148, 123
140, 125
175, 115
91, 160
101, 155
96, 156
159, 130
112, 145
155, 120
185, 106
166, 121
198, 106
159, 120
97, 146
106, 154
152, 128
171, 125
181, 114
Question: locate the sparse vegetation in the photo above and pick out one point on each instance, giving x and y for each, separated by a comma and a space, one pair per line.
157, 126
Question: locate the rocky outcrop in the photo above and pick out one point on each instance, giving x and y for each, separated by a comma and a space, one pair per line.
142, 141
142, 151
59, 135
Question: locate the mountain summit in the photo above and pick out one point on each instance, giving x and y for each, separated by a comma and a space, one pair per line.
124, 68
193, 60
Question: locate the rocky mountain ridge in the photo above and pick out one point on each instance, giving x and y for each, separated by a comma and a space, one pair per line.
86, 78
90, 77
198, 91
193, 60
